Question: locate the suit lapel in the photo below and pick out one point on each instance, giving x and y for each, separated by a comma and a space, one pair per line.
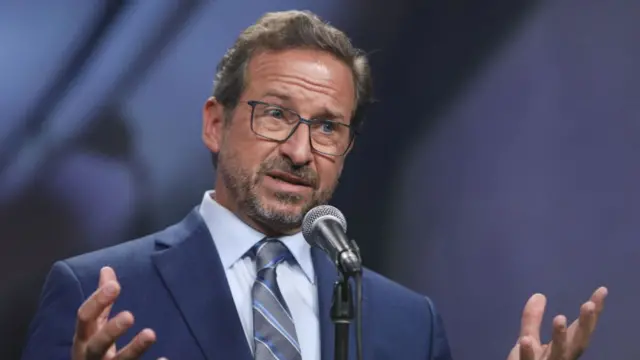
327, 276
191, 270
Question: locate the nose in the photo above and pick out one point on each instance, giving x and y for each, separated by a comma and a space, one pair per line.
298, 147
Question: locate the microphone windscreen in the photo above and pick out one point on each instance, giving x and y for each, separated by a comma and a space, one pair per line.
318, 212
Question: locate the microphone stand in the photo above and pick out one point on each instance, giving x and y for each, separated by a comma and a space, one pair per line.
342, 316
342, 313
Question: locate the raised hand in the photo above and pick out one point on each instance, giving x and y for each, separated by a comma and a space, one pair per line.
96, 334
567, 343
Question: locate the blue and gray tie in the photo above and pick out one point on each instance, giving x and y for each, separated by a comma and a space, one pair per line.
273, 329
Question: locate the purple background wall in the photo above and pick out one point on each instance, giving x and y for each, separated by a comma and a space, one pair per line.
530, 181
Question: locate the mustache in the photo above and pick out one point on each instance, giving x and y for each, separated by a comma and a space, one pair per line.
285, 165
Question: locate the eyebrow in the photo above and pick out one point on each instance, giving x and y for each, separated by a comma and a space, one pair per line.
325, 113
281, 96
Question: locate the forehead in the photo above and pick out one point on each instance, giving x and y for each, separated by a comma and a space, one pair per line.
308, 79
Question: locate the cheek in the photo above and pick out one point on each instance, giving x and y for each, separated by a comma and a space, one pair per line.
328, 171
249, 150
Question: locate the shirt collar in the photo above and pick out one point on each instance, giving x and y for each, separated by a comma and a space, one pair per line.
233, 238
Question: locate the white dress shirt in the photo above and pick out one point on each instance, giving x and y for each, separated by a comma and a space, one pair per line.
233, 239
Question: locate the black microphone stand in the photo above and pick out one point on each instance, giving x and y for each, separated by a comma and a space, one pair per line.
342, 311
342, 316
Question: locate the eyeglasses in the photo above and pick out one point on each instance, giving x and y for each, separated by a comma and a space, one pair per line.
276, 123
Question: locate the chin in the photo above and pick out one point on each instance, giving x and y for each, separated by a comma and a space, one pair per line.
281, 208
285, 204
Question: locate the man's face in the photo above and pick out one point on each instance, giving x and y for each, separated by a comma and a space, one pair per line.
273, 184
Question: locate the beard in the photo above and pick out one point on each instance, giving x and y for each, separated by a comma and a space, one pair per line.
243, 185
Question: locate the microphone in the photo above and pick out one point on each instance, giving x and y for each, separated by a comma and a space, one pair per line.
325, 227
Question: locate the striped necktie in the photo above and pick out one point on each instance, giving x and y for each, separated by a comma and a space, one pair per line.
273, 330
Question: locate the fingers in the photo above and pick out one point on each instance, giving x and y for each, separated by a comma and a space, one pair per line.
584, 327
579, 333
100, 342
559, 338
106, 274
588, 317
532, 317
526, 348
544, 348
93, 307
568, 343
590, 311
96, 335
137, 346
598, 298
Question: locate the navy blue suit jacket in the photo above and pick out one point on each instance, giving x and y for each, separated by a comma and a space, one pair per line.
173, 282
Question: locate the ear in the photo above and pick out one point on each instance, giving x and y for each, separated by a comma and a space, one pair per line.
212, 124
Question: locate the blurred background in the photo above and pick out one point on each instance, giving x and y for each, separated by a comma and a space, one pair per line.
502, 155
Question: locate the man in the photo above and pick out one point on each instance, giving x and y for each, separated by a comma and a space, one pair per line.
236, 279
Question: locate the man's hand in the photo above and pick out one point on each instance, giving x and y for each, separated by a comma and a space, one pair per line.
96, 334
567, 343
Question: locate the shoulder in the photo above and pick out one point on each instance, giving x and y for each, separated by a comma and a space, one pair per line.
402, 302
132, 257
130, 252
383, 287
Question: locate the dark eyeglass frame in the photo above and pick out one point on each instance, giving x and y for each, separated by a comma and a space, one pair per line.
301, 120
